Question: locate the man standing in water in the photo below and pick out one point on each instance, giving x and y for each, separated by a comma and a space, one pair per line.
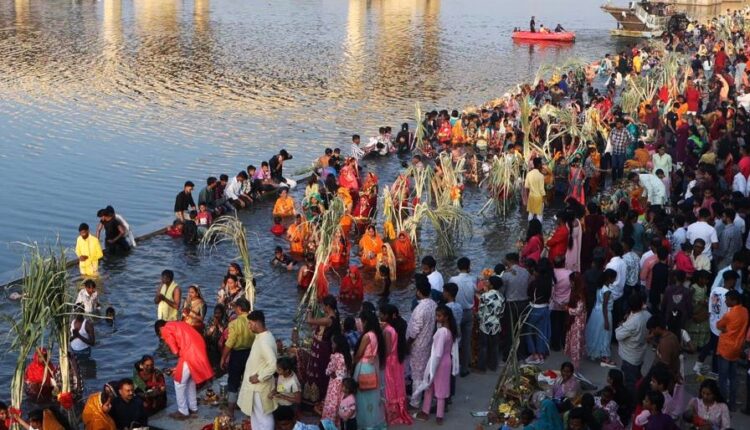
534, 185
258, 381
192, 367
114, 233
89, 252
532, 25
236, 351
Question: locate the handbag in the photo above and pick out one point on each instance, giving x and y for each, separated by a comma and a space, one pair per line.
367, 381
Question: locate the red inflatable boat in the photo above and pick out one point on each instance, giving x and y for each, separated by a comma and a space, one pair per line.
565, 36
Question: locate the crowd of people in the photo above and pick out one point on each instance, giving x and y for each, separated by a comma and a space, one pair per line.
658, 258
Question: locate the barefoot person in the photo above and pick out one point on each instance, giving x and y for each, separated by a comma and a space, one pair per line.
192, 367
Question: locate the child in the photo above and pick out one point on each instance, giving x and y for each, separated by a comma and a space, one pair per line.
288, 393
450, 290
281, 259
109, 314
5, 420
348, 405
652, 417
351, 333
527, 417
88, 297
175, 230
385, 275
682, 261
338, 369
607, 403
278, 229
204, 219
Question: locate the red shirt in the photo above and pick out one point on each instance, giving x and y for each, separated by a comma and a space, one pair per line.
692, 97
558, 243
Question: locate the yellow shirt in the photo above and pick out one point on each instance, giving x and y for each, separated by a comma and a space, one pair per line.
535, 183
637, 63
164, 311
91, 248
240, 336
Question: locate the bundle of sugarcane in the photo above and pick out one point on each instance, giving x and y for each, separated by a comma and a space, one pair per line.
452, 226
525, 108
391, 218
43, 276
230, 229
502, 183
446, 189
61, 307
325, 234
422, 180
421, 132
511, 377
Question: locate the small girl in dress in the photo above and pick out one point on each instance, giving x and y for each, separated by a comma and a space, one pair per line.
348, 406
607, 403
338, 370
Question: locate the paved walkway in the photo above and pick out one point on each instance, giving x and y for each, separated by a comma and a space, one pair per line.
472, 394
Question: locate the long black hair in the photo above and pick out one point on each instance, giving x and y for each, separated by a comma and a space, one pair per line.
370, 323
535, 228
330, 301
341, 346
448, 314
393, 318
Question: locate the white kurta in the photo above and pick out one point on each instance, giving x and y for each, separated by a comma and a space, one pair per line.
261, 362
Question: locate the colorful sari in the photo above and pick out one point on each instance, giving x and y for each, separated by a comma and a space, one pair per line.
404, 252
284, 207
351, 285
297, 233
94, 417
370, 247
395, 387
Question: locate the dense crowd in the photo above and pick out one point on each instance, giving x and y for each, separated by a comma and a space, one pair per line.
649, 248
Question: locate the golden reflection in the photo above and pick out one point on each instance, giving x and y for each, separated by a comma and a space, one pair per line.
201, 16
111, 30
403, 36
22, 12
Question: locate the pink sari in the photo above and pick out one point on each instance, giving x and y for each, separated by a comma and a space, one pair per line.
395, 387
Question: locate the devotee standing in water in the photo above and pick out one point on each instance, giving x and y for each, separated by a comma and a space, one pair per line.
534, 185
167, 298
258, 383
89, 252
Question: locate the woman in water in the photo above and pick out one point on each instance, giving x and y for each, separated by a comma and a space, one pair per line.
96, 411
404, 252
370, 246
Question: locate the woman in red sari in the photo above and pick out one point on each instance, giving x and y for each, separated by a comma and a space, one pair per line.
405, 257
558, 243
362, 212
340, 254
351, 285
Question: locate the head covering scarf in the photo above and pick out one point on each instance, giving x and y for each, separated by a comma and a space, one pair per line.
40, 370
94, 417
549, 418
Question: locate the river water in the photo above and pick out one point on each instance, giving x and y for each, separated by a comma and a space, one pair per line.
119, 102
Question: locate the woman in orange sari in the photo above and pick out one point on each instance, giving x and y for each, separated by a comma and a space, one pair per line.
346, 223
369, 247
405, 257
297, 235
96, 412
284, 206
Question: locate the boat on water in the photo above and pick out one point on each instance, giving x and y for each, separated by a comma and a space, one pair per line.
646, 18
562, 36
